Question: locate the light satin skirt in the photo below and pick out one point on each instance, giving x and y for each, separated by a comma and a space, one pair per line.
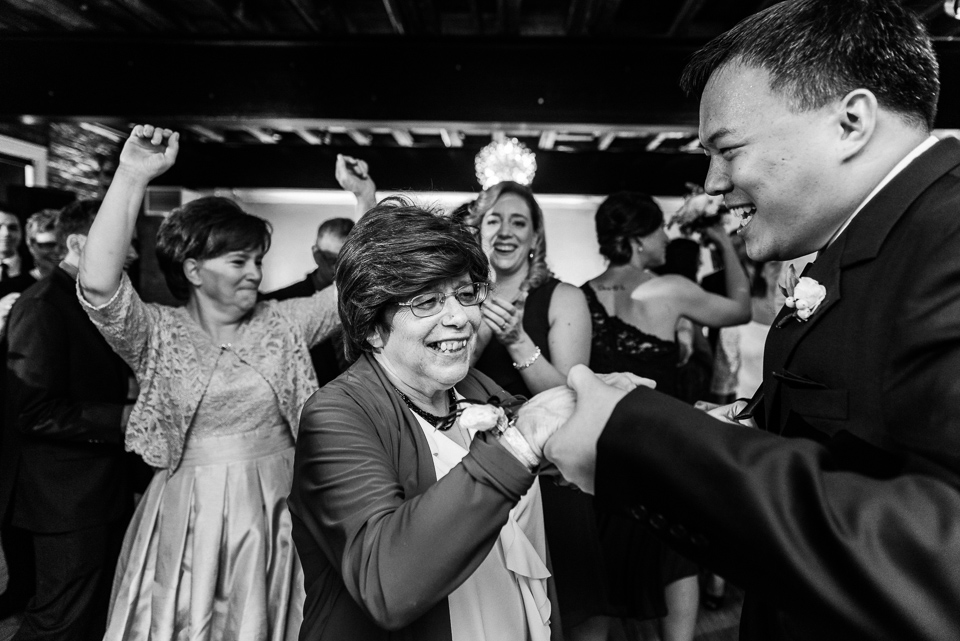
209, 554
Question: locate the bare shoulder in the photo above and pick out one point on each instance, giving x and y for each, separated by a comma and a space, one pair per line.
568, 300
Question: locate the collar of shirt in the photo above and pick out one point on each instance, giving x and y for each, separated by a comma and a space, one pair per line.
900, 166
70, 269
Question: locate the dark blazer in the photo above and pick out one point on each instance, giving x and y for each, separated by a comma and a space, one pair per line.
848, 529
63, 464
383, 543
327, 355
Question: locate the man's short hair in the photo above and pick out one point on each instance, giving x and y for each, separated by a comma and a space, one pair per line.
42, 221
76, 218
339, 227
817, 51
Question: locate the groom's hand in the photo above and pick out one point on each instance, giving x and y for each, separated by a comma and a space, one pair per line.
573, 448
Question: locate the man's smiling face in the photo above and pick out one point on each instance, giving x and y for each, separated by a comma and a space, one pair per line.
776, 166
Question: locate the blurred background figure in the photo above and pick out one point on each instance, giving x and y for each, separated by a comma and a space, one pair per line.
327, 356
66, 484
635, 314
42, 242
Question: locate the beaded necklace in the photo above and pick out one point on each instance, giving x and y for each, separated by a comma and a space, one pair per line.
442, 423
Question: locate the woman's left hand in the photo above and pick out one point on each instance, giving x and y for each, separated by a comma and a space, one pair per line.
505, 319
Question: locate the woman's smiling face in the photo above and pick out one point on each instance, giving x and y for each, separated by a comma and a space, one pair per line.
507, 234
433, 353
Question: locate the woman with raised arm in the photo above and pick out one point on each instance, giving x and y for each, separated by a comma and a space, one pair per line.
635, 314
209, 553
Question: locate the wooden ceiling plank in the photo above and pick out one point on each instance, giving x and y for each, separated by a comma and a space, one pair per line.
206, 133
392, 8
57, 12
403, 137
308, 136
451, 139
261, 135
684, 17
304, 15
360, 138
606, 140
547, 139
147, 15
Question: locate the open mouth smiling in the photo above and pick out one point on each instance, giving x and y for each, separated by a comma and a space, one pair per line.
448, 347
743, 213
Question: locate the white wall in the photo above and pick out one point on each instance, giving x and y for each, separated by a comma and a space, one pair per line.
572, 251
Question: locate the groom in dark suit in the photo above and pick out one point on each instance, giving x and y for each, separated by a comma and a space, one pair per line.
65, 480
841, 516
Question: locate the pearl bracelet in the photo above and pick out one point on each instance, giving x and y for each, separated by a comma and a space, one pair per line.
527, 363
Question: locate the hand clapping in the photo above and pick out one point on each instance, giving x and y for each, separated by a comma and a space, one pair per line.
505, 319
149, 152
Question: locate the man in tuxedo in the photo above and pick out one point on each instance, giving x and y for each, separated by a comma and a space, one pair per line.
327, 356
13, 278
64, 475
841, 515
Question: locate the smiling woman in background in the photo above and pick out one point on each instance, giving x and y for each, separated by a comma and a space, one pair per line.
409, 528
209, 553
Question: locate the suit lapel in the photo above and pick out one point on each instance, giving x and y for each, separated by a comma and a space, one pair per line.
860, 242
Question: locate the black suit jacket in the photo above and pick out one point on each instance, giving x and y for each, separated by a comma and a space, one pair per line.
327, 355
63, 464
850, 527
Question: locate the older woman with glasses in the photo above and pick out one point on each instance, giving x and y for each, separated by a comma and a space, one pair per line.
410, 524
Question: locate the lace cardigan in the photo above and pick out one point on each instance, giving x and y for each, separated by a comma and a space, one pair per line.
173, 359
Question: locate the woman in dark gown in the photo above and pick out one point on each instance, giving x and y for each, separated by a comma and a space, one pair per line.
635, 315
536, 328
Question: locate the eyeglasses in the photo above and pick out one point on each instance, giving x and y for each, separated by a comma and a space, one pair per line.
424, 305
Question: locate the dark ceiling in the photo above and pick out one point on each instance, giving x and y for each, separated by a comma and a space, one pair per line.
266, 92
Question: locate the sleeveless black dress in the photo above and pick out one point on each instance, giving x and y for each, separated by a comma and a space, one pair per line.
638, 565
569, 520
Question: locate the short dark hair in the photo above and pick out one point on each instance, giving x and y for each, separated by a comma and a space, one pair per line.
42, 221
76, 218
339, 227
397, 250
202, 229
622, 216
538, 271
817, 51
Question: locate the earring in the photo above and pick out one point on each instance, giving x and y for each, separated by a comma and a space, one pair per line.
530, 256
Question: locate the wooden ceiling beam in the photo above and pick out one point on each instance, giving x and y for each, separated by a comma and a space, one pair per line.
304, 14
58, 13
146, 15
392, 7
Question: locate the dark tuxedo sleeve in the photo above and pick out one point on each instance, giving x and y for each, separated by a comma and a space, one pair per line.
38, 380
868, 556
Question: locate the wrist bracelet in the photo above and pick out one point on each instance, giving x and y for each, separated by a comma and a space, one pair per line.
527, 363
520, 447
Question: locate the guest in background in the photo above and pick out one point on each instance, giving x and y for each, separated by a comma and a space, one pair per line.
327, 356
209, 552
535, 329
13, 278
42, 242
408, 529
65, 480
695, 355
635, 315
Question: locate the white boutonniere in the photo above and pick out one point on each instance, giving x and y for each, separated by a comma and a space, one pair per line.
804, 296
